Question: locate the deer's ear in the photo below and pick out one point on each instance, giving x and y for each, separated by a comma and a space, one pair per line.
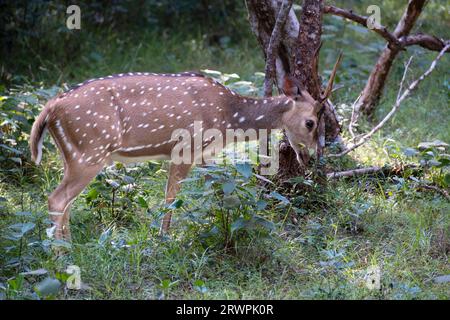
290, 88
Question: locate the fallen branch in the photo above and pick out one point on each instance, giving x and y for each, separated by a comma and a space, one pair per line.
387, 171
272, 48
434, 188
400, 98
354, 172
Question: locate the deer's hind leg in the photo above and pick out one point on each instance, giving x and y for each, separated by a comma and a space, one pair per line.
76, 178
177, 172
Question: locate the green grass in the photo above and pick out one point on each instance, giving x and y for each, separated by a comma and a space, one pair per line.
105, 54
403, 234
342, 230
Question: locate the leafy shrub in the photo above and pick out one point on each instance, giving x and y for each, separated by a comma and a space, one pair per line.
18, 109
231, 207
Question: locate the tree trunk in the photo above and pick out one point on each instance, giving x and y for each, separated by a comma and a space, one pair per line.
298, 55
377, 79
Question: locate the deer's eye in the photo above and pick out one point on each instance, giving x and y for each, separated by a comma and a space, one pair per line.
309, 124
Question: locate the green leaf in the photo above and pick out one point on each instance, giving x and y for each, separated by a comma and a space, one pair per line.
212, 72
263, 178
447, 179
410, 152
16, 160
278, 196
104, 236
261, 204
22, 228
200, 286
142, 202
112, 183
16, 283
92, 194
228, 187
167, 284
245, 169
48, 286
62, 244
23, 214
17, 152
432, 144
434, 163
231, 202
176, 204
190, 179
262, 222
444, 162
128, 179
238, 224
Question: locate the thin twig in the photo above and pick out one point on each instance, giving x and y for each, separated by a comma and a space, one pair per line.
396, 106
355, 110
404, 77
274, 43
338, 87
354, 118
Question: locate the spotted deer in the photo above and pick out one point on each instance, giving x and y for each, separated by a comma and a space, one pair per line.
130, 118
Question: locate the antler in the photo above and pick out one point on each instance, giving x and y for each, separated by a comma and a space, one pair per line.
329, 88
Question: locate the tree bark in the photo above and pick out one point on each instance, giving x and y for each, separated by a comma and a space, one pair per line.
298, 54
262, 16
272, 48
377, 79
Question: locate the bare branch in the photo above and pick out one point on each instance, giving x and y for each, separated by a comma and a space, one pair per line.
396, 106
362, 20
426, 41
274, 43
385, 170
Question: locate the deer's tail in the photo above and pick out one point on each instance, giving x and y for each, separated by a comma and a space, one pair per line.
38, 132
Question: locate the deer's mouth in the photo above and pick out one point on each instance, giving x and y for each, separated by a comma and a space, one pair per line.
303, 157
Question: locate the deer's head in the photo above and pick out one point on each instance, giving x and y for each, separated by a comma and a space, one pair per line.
301, 121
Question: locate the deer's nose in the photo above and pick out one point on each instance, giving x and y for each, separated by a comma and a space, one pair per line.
306, 154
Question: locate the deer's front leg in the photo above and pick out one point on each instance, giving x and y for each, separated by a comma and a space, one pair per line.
177, 172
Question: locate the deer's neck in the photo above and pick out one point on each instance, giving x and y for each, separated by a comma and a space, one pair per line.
256, 113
